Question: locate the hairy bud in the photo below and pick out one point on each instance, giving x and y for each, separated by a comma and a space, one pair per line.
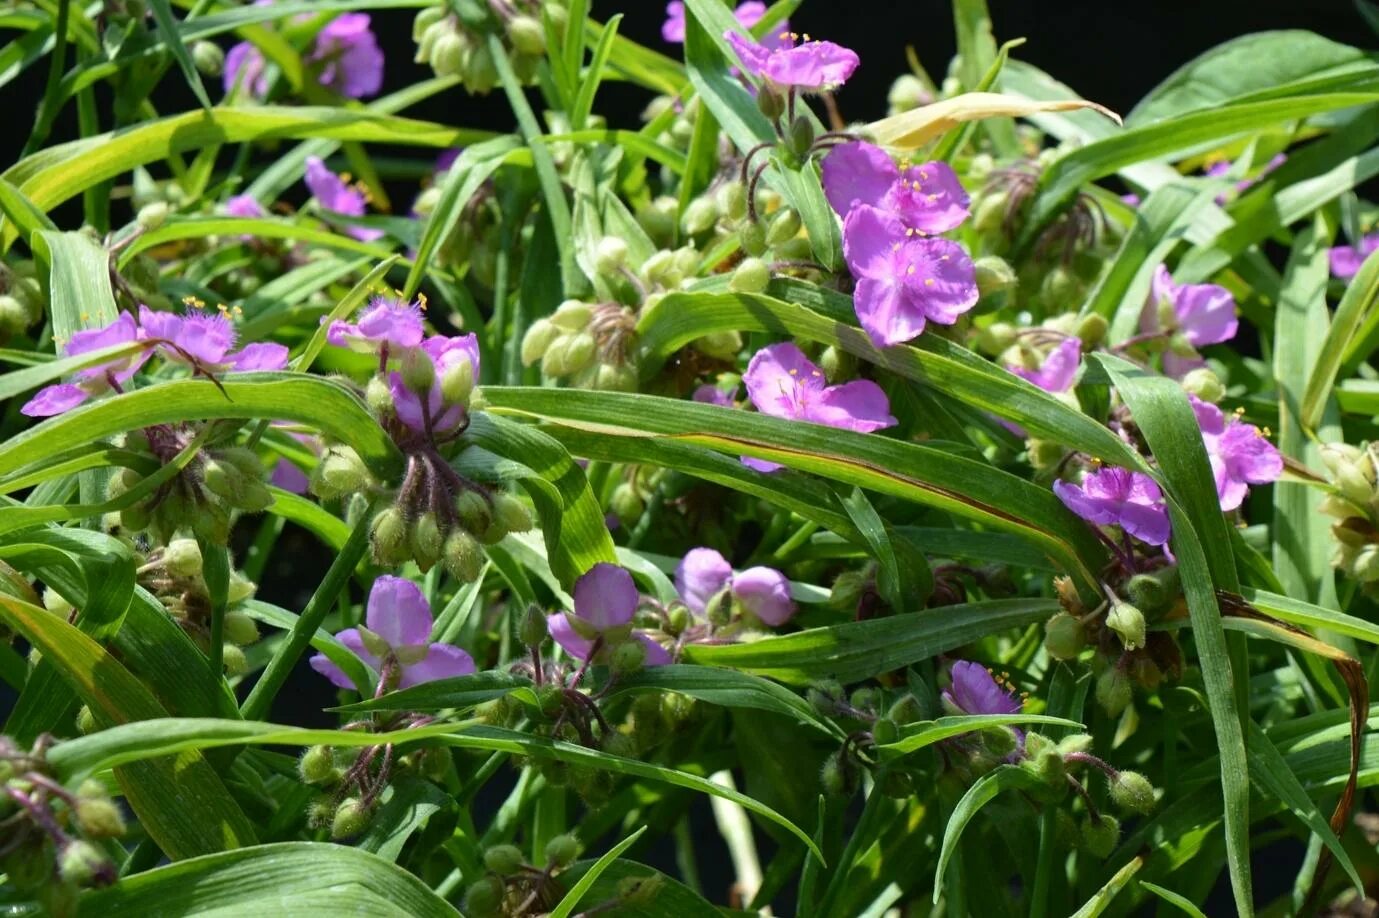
1132, 791
1064, 636
503, 860
562, 850
351, 818
1128, 622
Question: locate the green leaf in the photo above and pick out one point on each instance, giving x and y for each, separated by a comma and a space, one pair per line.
407, 805
577, 892
854, 651
167, 27
1353, 321
896, 582
458, 693
20, 381
1306, 615
79, 291
286, 878
670, 896
589, 84
1104, 896
982, 792
917, 736
1173, 898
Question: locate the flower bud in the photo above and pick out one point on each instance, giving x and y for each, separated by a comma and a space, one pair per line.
1113, 690
527, 36
1000, 742
905, 710
731, 199
752, 236
464, 559
81, 863
152, 216
425, 19
1099, 836
884, 731
234, 660
784, 226
658, 219
351, 818
576, 354
182, 558
1204, 384
906, 93
627, 503
800, 137
504, 860
240, 629
700, 215
14, 316
208, 57
722, 345
99, 817
562, 850
539, 337
837, 364
1154, 592
484, 897
1132, 791
1044, 454
838, 777
532, 631
1091, 331
388, 537
222, 479
612, 378
1128, 622
994, 275
1044, 762
1181, 346
1064, 636
1077, 742
425, 541
474, 510
86, 721
627, 658
378, 396
1365, 567
770, 103
1334, 455
418, 371
317, 766
457, 383
511, 513
988, 216
340, 472
610, 256
751, 276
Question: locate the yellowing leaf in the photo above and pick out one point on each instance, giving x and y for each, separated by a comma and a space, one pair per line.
914, 128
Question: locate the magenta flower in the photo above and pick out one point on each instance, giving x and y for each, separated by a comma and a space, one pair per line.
1346, 259
783, 383
246, 68
244, 205
975, 691
748, 13
904, 281
336, 197
606, 599
352, 59
397, 639
206, 341
814, 66
1219, 170
1239, 454
712, 395
1119, 497
385, 326
1059, 369
94, 380
436, 416
763, 591
927, 198
1204, 313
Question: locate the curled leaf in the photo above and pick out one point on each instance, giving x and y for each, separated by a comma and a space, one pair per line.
912, 129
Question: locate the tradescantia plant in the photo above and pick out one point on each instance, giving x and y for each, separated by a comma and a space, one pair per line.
970, 506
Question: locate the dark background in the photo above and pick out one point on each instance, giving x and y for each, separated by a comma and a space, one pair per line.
1111, 52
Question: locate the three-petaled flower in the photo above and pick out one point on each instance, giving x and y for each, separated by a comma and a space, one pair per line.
814, 66
1119, 497
605, 600
1240, 455
337, 197
927, 198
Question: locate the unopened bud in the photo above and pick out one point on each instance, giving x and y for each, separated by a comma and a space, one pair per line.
627, 658
340, 472
457, 382
86, 721
1064, 636
152, 216
752, 236
208, 57
81, 863
700, 215
722, 345
1113, 690
731, 199
994, 275
388, 537
838, 777
539, 337
317, 765
785, 226
527, 35
1204, 384
351, 818
1091, 331
1132, 791
234, 660
1128, 622
577, 353
464, 559
484, 897
1000, 742
182, 558
511, 513
610, 255
240, 629
770, 103
1153, 592
532, 631
99, 818
503, 860
418, 371
1045, 454
379, 396
1180, 345
425, 541
800, 137
751, 276
1099, 836
906, 93
884, 731
562, 850
14, 315
627, 503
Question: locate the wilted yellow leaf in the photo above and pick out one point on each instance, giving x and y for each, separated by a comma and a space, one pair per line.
914, 128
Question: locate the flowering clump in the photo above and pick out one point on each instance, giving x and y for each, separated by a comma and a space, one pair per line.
345, 57
710, 589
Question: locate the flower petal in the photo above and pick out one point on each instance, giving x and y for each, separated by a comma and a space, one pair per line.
765, 593
442, 661
398, 612
606, 597
701, 574
54, 400
780, 380
860, 405
564, 634
857, 173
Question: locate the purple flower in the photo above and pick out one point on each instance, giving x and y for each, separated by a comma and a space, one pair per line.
764, 592
1220, 169
927, 198
385, 324
1204, 313
783, 383
712, 395
1346, 259
206, 341
748, 13
904, 281
336, 197
975, 691
1059, 369
606, 599
93, 380
1119, 497
814, 66
245, 67
244, 205
353, 62
459, 354
397, 633
1239, 454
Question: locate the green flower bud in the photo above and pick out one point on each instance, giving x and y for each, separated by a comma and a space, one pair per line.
182, 558
317, 765
425, 541
351, 818
241, 588
627, 658
135, 518
577, 353
837, 364
784, 226
1154, 592
751, 276
1064, 636
722, 345
770, 103
614, 378
504, 860
1099, 836
152, 216
1043, 761
464, 559
562, 850
426, 18
865, 699
99, 818
679, 620
752, 237
418, 372
988, 217
86, 721
661, 269
1132, 791
1000, 742
731, 199
1113, 690
208, 57
1060, 289
14, 316
627, 503
610, 256
906, 93
240, 629
511, 513
1334, 455
234, 660
658, 219
474, 510
1204, 384
1181, 346
538, 340
1092, 330
81, 863
1045, 454
994, 275
700, 215
798, 248
532, 631
905, 710
1128, 622
379, 396
1077, 742
388, 537
800, 137
478, 71
484, 897
1365, 567
222, 479
838, 777
527, 36
340, 472
884, 731
457, 383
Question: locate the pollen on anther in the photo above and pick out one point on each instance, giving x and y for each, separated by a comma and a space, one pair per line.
928, 282
910, 269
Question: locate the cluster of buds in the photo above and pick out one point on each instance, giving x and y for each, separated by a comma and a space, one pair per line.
594, 345
514, 886
871, 717
1354, 504
49, 835
217, 484
21, 298
454, 38
1126, 653
1062, 767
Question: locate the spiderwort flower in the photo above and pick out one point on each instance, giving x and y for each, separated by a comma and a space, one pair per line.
904, 281
246, 67
244, 205
1059, 368
704, 574
1203, 313
397, 638
783, 383
927, 198
748, 13
352, 59
94, 380
975, 691
712, 395
1119, 497
385, 326
1239, 454
1220, 169
336, 197
606, 599
207, 341
449, 357
815, 66
1346, 259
